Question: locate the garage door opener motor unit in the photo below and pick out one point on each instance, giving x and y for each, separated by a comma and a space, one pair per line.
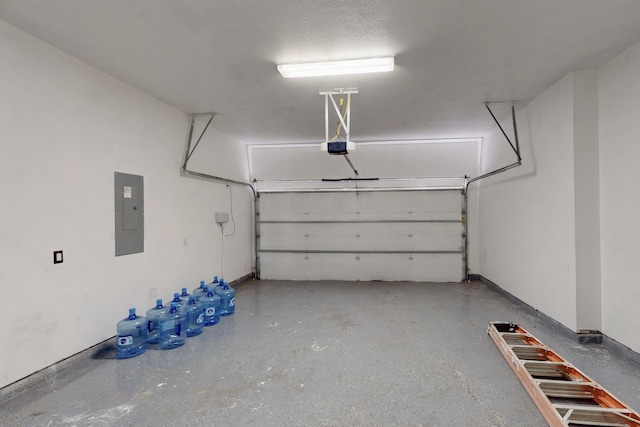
335, 145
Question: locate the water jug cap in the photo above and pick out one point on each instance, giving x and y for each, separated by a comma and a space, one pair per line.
174, 307
176, 296
215, 279
202, 284
159, 303
184, 292
192, 299
132, 313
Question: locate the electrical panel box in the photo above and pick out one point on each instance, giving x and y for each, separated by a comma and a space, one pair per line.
129, 213
222, 217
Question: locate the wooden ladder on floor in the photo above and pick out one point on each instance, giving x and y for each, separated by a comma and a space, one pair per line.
564, 395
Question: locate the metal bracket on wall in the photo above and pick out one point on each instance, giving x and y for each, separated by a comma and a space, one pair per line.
188, 152
515, 148
564, 395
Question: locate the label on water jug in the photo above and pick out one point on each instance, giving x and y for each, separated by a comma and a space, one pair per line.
125, 340
200, 319
168, 325
210, 311
232, 302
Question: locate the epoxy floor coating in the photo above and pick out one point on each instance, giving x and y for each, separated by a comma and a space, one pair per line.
324, 354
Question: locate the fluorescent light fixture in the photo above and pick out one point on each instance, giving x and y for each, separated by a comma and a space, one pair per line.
336, 68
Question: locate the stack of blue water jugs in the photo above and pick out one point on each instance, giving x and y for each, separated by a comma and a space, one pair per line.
169, 326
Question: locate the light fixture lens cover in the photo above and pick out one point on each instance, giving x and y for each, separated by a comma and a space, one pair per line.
336, 68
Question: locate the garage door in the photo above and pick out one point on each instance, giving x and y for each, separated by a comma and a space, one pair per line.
415, 235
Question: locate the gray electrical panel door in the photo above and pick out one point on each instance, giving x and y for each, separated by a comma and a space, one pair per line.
129, 213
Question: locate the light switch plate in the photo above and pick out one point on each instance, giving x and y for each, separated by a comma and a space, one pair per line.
57, 257
222, 217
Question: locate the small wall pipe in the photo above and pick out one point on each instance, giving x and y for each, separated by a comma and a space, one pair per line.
495, 172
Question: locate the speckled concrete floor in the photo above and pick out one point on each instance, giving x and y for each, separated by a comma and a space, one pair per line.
323, 354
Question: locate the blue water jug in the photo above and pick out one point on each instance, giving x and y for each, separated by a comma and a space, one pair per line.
177, 300
200, 290
131, 336
227, 299
215, 283
184, 296
195, 317
211, 305
153, 321
173, 325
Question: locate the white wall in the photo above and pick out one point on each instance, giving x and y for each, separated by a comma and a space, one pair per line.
587, 200
559, 232
65, 128
619, 98
527, 214
392, 159
218, 155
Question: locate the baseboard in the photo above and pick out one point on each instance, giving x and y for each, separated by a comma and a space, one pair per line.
475, 278
93, 352
242, 279
589, 338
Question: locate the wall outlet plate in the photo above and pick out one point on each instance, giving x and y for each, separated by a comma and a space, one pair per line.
222, 217
57, 257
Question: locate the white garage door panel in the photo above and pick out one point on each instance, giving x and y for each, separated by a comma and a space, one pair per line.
413, 236
361, 206
387, 267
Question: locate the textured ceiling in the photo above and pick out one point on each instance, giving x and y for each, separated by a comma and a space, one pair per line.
221, 55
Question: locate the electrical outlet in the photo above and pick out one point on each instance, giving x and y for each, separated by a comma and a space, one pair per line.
57, 257
222, 217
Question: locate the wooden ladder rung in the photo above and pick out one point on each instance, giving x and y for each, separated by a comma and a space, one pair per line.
536, 352
589, 408
545, 369
594, 416
567, 389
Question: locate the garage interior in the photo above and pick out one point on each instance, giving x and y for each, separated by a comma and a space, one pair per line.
483, 182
